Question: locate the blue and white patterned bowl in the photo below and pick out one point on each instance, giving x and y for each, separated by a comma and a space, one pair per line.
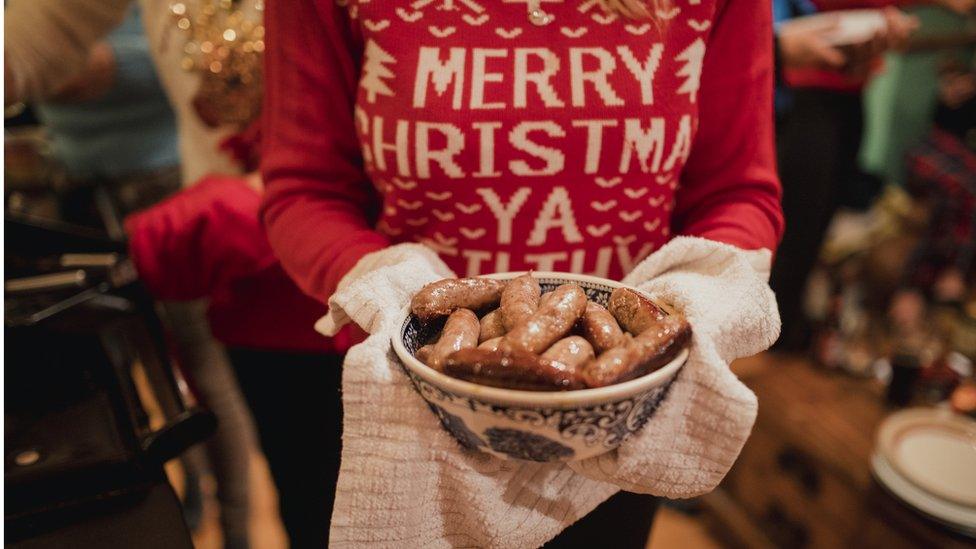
533, 425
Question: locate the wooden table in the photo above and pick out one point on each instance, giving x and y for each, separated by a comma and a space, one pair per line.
804, 479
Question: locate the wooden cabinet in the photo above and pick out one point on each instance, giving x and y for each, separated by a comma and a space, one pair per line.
803, 479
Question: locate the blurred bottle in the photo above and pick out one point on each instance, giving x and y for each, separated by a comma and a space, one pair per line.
905, 369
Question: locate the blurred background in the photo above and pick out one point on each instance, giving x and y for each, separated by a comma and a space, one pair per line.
136, 413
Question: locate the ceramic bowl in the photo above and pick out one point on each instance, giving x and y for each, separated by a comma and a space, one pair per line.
533, 425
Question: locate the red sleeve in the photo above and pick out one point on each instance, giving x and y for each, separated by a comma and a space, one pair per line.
195, 241
729, 189
319, 202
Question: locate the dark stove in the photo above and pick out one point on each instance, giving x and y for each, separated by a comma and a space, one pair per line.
83, 466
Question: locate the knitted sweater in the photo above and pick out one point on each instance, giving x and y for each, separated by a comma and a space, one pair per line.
581, 141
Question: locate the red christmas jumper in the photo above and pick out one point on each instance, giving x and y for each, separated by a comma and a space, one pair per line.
580, 145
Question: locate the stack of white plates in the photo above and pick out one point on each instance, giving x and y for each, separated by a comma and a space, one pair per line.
927, 458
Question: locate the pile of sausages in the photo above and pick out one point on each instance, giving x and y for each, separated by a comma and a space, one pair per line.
545, 342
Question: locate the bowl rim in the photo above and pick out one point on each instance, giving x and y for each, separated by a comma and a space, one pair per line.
538, 399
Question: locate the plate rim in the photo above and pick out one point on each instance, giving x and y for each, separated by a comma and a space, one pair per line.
963, 519
892, 430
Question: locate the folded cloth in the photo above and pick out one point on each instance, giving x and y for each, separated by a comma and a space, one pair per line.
695, 436
404, 481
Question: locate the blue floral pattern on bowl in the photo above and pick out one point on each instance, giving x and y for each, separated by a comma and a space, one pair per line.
525, 445
456, 427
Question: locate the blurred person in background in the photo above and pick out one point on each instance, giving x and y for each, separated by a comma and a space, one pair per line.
206, 242
819, 125
47, 43
941, 271
114, 134
112, 129
89, 67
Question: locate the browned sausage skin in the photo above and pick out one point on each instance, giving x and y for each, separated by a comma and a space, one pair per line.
445, 296
573, 351
549, 323
600, 328
633, 311
423, 353
491, 344
657, 345
526, 342
520, 299
460, 332
545, 298
491, 326
512, 370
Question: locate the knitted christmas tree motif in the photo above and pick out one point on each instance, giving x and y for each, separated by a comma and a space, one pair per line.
693, 56
376, 72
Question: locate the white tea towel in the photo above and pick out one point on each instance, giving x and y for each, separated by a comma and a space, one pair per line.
405, 482
378, 281
695, 436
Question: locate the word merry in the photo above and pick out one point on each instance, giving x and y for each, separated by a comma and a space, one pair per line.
532, 71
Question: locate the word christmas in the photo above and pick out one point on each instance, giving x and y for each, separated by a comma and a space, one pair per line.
595, 80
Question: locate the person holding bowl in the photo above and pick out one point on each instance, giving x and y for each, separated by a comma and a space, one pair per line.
533, 135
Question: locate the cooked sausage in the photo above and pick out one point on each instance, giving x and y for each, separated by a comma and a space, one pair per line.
423, 353
512, 370
573, 351
633, 311
549, 323
520, 299
491, 326
600, 328
460, 332
445, 296
648, 351
491, 344
545, 298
